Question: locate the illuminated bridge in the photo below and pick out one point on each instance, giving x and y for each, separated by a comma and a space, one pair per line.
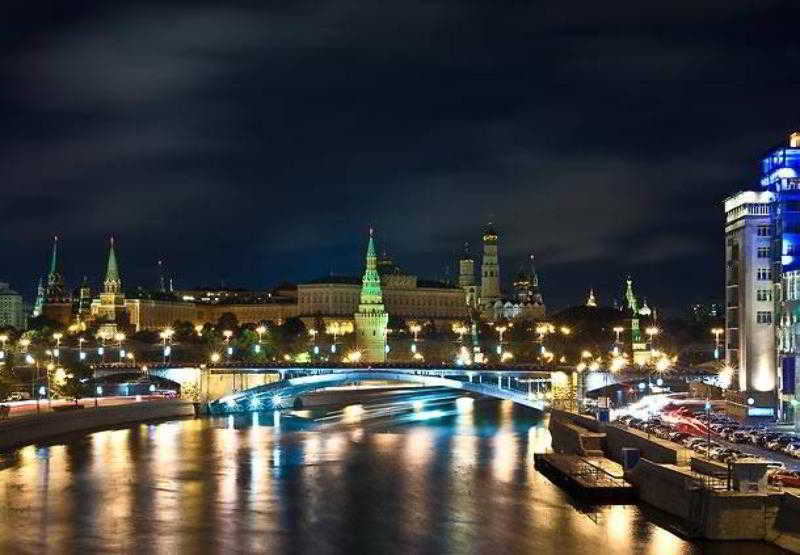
240, 388
512, 385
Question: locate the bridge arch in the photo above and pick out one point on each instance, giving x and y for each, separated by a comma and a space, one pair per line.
279, 394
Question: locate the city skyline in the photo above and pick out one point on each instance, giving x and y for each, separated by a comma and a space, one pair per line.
265, 169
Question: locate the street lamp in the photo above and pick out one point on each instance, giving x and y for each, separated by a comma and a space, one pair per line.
24, 343
198, 329
215, 357
166, 335
618, 330
227, 334
119, 337
717, 332
3, 339
81, 354
460, 329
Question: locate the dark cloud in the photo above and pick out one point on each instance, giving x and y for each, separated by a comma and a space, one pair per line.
259, 143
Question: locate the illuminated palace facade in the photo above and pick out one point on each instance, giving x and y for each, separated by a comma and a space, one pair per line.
762, 253
404, 296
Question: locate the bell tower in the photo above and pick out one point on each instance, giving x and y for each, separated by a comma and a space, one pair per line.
490, 269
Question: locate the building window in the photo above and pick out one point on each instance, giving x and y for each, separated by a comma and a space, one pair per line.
764, 294
764, 273
764, 317
763, 231
762, 252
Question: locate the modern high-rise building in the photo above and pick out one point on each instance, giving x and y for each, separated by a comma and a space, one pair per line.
780, 176
749, 317
12, 311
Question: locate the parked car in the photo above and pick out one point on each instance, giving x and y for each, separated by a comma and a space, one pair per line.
779, 443
677, 436
793, 450
786, 478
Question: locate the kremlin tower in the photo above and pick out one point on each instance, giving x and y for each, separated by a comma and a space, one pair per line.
371, 318
490, 270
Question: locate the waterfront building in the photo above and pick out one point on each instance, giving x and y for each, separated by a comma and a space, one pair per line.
749, 321
12, 310
780, 175
371, 318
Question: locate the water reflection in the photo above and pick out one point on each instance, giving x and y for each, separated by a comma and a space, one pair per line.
460, 480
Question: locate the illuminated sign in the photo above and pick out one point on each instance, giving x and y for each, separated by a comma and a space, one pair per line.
760, 411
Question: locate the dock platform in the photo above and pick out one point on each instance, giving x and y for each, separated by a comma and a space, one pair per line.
592, 478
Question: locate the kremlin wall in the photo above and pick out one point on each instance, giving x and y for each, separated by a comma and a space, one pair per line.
402, 295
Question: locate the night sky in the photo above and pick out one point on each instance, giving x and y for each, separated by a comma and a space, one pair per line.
258, 144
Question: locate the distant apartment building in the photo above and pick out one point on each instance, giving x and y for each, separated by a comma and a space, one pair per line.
12, 309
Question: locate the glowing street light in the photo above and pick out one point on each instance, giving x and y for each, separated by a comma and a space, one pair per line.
261, 330
215, 357
354, 357
460, 329
166, 335
3, 339
717, 332
415, 329
24, 343
618, 330
119, 337
81, 354
198, 329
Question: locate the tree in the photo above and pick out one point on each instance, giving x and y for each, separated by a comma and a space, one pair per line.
291, 337
6, 387
228, 321
184, 331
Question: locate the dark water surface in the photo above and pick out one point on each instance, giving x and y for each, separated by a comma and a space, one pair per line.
434, 481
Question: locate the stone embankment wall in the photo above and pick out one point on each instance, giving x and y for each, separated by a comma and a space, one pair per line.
574, 440
23, 430
719, 515
652, 448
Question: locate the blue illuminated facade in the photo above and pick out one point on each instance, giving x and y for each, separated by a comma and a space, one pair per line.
780, 174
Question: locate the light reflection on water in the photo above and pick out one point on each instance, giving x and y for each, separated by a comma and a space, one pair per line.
460, 481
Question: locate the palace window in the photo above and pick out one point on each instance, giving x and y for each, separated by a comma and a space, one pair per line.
763, 231
764, 317
764, 273
762, 252
764, 295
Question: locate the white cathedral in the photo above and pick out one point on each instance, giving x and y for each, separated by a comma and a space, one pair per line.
487, 297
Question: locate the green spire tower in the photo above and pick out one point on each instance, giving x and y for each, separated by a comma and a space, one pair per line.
638, 347
371, 318
55, 292
112, 302
112, 283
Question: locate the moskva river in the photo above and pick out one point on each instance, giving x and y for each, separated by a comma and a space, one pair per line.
420, 473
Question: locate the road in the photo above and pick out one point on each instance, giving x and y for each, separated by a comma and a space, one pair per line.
23, 408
